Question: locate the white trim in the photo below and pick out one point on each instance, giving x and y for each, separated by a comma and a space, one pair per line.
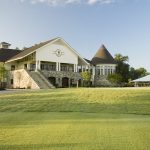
106, 65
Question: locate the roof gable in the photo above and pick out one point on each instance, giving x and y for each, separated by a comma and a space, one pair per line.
29, 50
32, 49
83, 60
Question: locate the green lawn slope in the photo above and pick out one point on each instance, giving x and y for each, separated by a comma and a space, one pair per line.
76, 119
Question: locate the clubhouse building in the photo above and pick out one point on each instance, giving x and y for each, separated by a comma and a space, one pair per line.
54, 63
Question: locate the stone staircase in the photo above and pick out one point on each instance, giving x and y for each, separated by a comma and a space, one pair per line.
41, 80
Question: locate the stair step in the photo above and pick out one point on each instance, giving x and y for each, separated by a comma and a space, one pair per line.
42, 82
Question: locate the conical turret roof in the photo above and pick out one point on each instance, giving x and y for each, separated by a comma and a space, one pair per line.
103, 56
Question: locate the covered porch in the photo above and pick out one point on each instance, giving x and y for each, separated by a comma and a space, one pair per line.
55, 66
44, 66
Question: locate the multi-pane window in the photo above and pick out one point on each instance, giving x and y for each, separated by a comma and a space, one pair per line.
64, 68
67, 67
98, 71
101, 71
104, 70
49, 67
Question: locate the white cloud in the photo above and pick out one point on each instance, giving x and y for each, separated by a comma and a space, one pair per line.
92, 2
64, 2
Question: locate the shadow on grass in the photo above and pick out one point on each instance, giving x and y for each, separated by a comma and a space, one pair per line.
123, 108
40, 146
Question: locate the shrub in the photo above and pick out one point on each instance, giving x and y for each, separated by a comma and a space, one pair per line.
115, 79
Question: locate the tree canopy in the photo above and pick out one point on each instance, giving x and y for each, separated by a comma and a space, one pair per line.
3, 74
137, 73
125, 72
115, 78
86, 75
122, 66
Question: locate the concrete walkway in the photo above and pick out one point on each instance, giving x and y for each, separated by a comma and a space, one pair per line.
15, 91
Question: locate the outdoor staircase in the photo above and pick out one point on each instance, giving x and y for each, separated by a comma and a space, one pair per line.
41, 80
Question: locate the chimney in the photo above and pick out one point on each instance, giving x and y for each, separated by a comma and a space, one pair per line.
5, 45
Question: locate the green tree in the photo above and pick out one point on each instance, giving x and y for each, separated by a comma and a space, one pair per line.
137, 73
122, 66
121, 58
86, 75
115, 78
3, 74
142, 72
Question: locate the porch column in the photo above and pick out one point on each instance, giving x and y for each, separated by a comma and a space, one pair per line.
93, 75
57, 66
74, 67
28, 66
93, 72
82, 68
36, 66
39, 65
103, 70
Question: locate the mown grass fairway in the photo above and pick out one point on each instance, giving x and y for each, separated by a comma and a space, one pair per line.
76, 119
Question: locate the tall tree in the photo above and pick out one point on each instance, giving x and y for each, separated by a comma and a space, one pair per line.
121, 58
122, 66
3, 74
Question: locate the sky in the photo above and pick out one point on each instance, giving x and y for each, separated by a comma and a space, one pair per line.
123, 26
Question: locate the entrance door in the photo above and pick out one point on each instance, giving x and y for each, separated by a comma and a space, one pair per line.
65, 82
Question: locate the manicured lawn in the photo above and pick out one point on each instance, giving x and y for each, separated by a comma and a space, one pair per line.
76, 119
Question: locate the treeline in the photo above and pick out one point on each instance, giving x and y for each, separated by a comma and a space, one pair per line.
3, 74
125, 73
